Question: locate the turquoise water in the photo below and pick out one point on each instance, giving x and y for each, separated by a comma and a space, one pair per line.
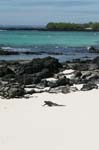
71, 44
30, 38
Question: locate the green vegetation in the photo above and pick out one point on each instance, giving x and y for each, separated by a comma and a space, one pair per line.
61, 26
72, 26
95, 26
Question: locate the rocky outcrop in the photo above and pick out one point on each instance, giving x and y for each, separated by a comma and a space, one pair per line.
27, 52
6, 70
63, 89
96, 60
25, 73
7, 52
35, 75
38, 65
89, 86
60, 82
69, 89
92, 49
12, 91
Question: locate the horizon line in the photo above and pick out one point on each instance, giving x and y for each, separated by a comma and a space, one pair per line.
43, 25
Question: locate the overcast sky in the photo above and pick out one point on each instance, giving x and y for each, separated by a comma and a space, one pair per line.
40, 12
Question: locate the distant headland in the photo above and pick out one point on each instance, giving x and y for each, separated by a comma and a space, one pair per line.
61, 26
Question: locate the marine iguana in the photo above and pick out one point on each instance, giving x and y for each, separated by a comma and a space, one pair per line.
50, 104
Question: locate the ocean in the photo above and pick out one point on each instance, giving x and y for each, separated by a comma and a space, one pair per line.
70, 45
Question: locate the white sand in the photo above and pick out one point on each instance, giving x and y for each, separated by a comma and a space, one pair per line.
26, 125
68, 71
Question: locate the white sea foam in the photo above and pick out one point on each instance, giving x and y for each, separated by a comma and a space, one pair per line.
2, 30
7, 48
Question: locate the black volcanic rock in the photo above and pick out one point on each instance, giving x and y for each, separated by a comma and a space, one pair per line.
37, 65
96, 60
89, 86
12, 91
92, 49
37, 69
60, 82
15, 75
81, 66
69, 89
78, 74
63, 89
8, 52
5, 70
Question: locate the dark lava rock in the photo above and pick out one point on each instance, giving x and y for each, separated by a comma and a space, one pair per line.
28, 79
12, 91
81, 67
8, 52
89, 86
92, 77
5, 70
84, 65
78, 74
37, 65
43, 83
9, 78
63, 89
93, 66
86, 74
56, 89
77, 81
43, 74
30, 92
35, 78
63, 81
60, 82
96, 60
69, 89
92, 49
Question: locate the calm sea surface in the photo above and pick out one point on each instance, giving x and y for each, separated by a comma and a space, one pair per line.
71, 44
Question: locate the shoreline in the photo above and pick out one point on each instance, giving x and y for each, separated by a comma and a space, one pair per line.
61, 53
27, 123
45, 30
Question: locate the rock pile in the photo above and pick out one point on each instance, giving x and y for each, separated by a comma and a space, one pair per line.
16, 77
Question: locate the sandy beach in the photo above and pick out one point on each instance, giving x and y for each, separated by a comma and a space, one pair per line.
26, 124
49, 74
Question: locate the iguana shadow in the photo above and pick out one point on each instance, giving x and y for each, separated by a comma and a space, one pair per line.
51, 104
